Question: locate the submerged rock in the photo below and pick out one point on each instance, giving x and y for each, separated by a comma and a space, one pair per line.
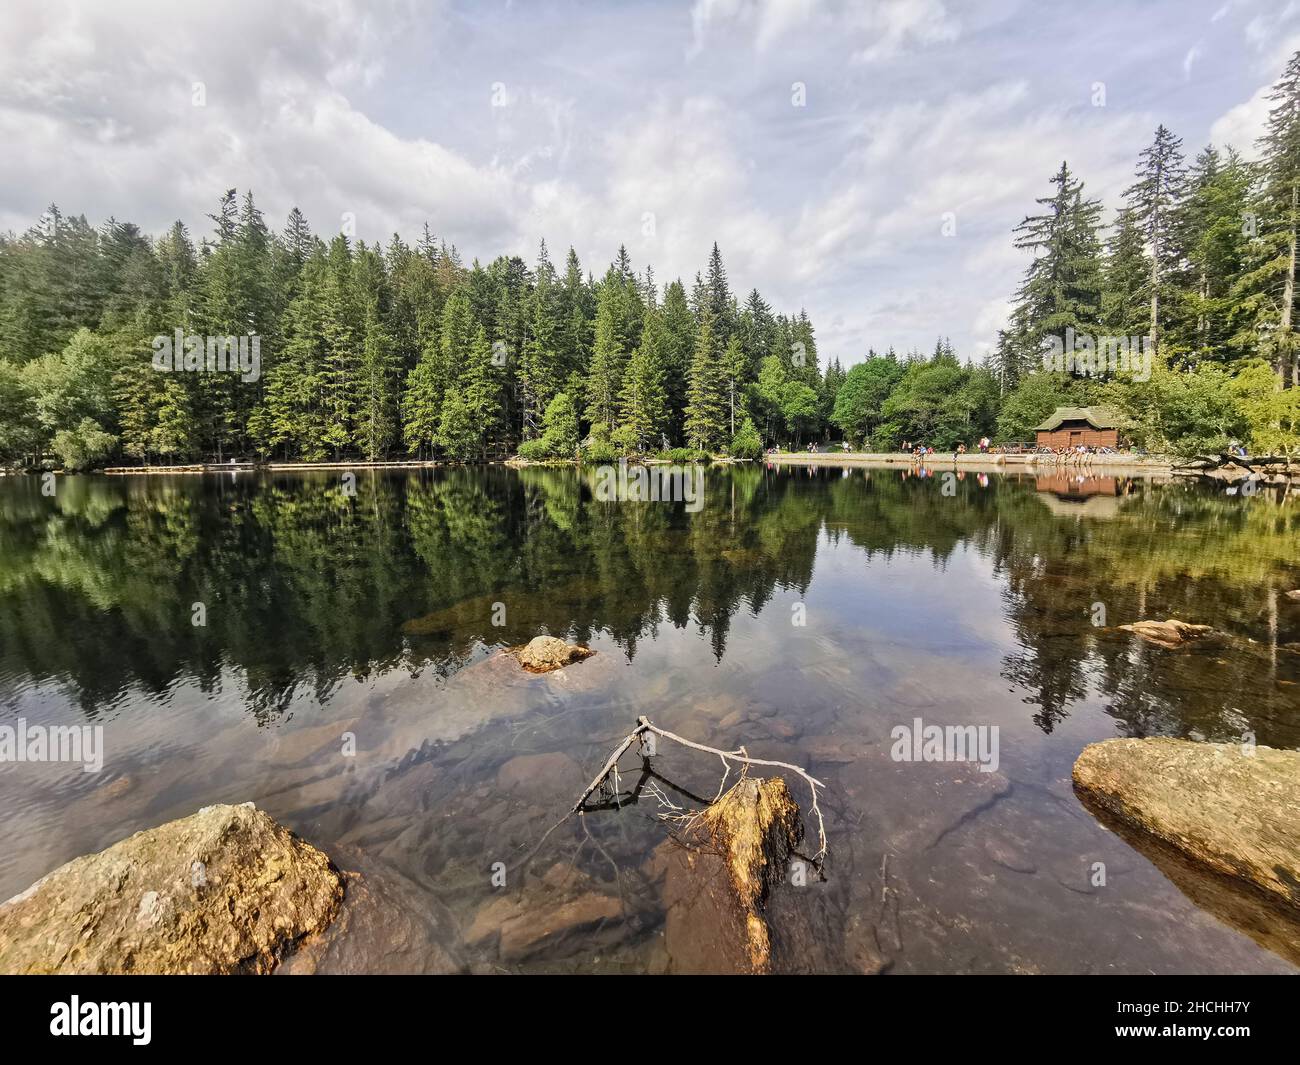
549, 910
541, 776
388, 924
225, 890
1171, 633
1233, 810
1294, 595
542, 654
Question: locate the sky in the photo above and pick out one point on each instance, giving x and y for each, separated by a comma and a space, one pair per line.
864, 161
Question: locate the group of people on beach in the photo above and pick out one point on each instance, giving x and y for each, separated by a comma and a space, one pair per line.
920, 451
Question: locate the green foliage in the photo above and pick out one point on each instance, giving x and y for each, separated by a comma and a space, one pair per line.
83, 445
599, 452
18, 436
685, 454
859, 403
940, 403
706, 409
536, 450
746, 444
1181, 411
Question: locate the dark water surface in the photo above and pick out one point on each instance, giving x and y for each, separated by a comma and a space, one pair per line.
959, 602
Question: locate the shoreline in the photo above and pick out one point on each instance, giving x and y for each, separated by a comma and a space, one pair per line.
983, 463
1020, 463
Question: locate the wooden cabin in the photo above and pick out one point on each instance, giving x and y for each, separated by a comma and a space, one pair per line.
1069, 427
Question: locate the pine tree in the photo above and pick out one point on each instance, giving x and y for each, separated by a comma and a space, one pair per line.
376, 410
1266, 292
608, 357
1124, 308
734, 372
644, 399
1153, 201
483, 390
679, 344
1062, 286
718, 298
341, 333
706, 411
1212, 247
422, 400
541, 369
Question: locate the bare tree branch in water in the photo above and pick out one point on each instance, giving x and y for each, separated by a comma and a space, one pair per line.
739, 756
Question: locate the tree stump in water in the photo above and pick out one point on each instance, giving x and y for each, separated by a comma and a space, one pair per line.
718, 885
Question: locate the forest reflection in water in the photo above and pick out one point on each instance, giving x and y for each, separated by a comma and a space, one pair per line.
980, 598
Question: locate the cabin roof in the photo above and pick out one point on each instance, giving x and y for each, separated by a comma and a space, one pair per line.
1097, 417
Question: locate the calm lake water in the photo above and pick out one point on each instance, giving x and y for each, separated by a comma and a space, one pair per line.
802, 612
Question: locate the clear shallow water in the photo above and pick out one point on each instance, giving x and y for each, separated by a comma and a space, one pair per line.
373, 616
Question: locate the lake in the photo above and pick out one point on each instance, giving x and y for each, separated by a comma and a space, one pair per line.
345, 675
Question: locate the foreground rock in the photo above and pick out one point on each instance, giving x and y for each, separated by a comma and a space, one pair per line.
226, 890
715, 893
542, 654
1169, 633
1232, 812
1294, 595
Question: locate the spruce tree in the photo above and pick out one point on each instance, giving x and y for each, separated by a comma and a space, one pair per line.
1266, 292
706, 410
1062, 286
377, 406
1153, 201
608, 356
644, 399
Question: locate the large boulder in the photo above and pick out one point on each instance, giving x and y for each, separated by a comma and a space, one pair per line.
542, 654
225, 890
1232, 809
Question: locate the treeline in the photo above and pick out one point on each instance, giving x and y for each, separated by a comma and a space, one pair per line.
376, 352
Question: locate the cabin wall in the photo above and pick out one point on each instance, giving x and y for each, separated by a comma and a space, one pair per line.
1072, 434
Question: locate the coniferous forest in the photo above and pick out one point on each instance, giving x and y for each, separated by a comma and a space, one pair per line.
404, 351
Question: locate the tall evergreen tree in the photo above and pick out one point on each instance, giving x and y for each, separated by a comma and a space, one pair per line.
1266, 291
1153, 201
706, 408
644, 399
1062, 285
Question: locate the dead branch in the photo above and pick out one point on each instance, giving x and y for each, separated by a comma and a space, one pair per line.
740, 756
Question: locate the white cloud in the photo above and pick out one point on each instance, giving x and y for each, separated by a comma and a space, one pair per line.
895, 26
877, 29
